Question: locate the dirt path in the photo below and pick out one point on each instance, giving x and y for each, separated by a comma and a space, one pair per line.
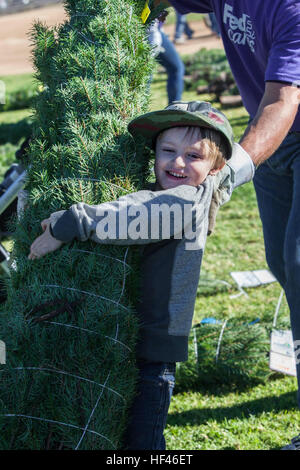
203, 37
15, 44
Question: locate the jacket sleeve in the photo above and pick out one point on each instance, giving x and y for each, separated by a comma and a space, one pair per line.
138, 218
222, 189
223, 184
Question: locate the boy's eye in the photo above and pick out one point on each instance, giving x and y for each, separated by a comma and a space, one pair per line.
168, 150
195, 155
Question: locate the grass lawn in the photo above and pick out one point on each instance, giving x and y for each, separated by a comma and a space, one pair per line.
171, 18
15, 82
264, 416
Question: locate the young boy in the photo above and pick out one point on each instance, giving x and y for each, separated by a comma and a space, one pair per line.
192, 142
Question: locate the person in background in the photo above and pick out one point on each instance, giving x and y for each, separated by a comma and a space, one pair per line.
169, 58
211, 22
214, 24
182, 27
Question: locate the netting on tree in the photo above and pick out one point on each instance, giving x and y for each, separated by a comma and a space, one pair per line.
225, 352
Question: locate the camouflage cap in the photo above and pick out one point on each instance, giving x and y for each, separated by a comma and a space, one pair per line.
182, 113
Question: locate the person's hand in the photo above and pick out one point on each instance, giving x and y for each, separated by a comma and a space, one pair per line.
45, 243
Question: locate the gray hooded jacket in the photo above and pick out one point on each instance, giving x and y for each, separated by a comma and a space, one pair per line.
172, 250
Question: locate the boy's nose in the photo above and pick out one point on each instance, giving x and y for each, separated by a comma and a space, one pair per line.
179, 160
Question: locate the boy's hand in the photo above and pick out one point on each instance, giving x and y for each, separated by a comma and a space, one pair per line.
45, 243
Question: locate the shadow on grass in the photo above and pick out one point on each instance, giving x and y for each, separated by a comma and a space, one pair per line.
234, 384
286, 401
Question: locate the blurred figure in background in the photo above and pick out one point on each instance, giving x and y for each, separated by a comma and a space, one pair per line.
182, 27
214, 24
169, 58
211, 22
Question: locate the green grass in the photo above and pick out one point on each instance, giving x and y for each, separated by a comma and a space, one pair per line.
10, 120
11, 117
261, 417
258, 419
15, 82
171, 18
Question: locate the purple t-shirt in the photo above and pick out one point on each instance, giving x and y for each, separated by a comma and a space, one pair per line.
261, 39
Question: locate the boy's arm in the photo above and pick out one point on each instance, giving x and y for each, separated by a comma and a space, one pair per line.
132, 219
135, 219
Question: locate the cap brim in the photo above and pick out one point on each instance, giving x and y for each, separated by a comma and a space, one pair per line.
149, 125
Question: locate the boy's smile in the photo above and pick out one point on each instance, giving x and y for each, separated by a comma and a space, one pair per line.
182, 157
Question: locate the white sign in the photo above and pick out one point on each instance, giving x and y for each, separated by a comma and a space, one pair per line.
2, 353
253, 278
282, 355
2, 92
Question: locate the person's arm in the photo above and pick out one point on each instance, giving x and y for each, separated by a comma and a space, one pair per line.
263, 136
279, 104
275, 117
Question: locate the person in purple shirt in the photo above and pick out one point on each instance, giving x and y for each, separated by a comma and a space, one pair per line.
262, 44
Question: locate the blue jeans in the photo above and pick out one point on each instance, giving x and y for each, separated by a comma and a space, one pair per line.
182, 26
277, 185
148, 414
214, 24
174, 66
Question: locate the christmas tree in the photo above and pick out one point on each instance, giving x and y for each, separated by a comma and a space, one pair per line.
226, 352
69, 323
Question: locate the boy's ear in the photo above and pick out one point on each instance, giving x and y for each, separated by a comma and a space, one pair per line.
214, 171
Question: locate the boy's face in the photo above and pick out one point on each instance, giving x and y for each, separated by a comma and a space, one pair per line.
182, 158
